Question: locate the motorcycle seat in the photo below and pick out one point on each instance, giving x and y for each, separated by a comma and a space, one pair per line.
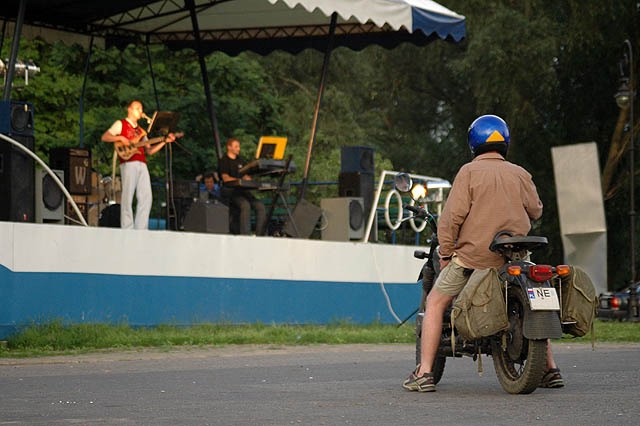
504, 241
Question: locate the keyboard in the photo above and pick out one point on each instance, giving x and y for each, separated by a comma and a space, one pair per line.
265, 165
251, 184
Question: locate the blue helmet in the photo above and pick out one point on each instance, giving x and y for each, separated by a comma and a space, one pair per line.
488, 133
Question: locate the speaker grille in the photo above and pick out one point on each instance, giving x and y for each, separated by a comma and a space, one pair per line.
52, 196
356, 215
21, 118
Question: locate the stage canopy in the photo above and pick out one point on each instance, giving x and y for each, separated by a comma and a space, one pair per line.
233, 26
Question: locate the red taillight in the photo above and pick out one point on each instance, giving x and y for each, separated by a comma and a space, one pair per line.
540, 273
615, 302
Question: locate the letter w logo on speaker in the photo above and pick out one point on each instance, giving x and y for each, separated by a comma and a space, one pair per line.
80, 175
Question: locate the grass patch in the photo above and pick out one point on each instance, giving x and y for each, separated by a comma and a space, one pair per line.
56, 338
613, 331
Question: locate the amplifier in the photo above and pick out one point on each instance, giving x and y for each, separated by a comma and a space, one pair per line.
76, 164
212, 217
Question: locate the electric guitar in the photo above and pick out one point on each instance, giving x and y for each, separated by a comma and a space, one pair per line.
127, 151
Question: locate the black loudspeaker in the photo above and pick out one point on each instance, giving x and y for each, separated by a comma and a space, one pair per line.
357, 159
355, 184
16, 118
76, 164
305, 217
17, 173
17, 181
207, 217
110, 217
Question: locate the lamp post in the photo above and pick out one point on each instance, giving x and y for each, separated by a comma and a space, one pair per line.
625, 98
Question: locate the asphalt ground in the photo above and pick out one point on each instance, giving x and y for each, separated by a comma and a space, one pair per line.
313, 385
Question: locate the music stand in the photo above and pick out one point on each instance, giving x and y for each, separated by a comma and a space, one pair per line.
163, 122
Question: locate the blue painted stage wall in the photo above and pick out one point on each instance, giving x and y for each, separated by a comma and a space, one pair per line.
148, 300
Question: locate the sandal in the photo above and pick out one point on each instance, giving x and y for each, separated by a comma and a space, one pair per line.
552, 379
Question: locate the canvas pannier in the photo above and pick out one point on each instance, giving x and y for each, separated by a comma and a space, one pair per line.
480, 309
579, 302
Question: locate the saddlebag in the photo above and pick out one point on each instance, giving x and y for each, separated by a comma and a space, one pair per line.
578, 302
480, 309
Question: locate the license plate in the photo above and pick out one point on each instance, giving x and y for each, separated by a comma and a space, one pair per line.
543, 299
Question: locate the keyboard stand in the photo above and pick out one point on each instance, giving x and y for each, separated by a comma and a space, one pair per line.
278, 193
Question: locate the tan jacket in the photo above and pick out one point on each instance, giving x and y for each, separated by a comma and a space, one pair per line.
488, 195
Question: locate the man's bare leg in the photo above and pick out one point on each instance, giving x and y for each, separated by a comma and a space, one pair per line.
437, 303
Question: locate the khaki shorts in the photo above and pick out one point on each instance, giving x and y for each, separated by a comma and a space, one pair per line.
452, 279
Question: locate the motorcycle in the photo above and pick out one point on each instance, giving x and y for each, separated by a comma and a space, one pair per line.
519, 352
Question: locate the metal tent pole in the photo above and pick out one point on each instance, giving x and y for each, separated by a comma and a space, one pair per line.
633, 297
205, 77
316, 112
167, 163
15, 45
84, 88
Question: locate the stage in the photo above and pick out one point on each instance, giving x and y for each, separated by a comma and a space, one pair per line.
146, 278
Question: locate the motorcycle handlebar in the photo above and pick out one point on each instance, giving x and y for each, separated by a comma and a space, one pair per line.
421, 213
418, 211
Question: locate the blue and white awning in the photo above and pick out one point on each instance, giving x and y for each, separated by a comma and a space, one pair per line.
412, 15
234, 26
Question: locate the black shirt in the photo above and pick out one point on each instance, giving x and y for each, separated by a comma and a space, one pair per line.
230, 166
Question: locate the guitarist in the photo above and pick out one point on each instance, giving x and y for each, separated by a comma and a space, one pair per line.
134, 172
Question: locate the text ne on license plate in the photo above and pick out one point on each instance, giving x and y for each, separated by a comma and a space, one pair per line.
543, 299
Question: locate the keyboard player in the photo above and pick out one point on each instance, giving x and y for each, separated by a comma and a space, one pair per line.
236, 190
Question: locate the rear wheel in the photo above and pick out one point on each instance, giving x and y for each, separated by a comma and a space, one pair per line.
520, 365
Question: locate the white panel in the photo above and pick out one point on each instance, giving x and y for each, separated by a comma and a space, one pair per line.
578, 188
50, 248
589, 252
581, 209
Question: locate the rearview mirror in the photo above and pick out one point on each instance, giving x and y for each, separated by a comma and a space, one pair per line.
402, 182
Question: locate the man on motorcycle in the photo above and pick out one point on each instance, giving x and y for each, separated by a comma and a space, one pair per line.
488, 195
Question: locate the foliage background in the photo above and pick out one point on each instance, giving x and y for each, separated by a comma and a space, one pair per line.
549, 68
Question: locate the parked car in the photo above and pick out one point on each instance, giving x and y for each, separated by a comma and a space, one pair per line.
615, 305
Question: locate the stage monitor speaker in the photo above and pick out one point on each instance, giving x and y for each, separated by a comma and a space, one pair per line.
110, 216
76, 164
207, 217
17, 181
344, 219
355, 184
16, 118
49, 200
357, 159
305, 217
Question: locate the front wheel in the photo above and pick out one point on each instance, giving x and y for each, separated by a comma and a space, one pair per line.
521, 364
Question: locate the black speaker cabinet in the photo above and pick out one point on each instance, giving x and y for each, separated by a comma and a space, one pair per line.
355, 184
305, 217
110, 217
207, 217
357, 159
76, 164
17, 173
17, 181
16, 118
